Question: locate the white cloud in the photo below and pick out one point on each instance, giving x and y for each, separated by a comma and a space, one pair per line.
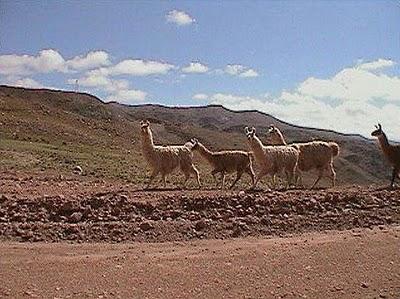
249, 73
50, 60
136, 67
196, 68
117, 90
377, 64
234, 69
240, 70
92, 60
200, 96
352, 101
180, 18
127, 96
23, 82
47, 61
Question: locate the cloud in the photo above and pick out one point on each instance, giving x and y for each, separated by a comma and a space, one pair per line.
127, 96
179, 18
116, 90
248, 74
240, 70
377, 64
200, 96
23, 82
351, 101
48, 61
196, 68
136, 67
92, 60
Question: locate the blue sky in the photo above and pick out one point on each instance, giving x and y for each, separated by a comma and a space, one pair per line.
328, 64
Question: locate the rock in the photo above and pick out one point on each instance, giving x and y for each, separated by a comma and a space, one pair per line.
364, 285
78, 170
200, 225
75, 217
145, 226
3, 198
242, 193
265, 220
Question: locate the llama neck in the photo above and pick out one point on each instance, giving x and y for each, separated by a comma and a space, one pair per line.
280, 139
147, 143
257, 147
205, 152
384, 143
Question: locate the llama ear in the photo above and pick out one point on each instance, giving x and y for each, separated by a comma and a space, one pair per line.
253, 130
246, 130
380, 127
376, 127
147, 122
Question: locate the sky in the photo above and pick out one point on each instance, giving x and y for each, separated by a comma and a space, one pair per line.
323, 64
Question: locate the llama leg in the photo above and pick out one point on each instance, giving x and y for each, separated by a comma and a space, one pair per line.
299, 178
320, 173
274, 180
289, 177
214, 172
259, 176
153, 175
394, 174
238, 176
332, 174
223, 180
187, 176
196, 173
250, 171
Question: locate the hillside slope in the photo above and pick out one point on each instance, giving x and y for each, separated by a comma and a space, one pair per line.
52, 131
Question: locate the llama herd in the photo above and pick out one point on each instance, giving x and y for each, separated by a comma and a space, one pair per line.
278, 157
275, 158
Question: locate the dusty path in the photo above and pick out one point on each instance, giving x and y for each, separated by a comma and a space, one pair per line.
348, 264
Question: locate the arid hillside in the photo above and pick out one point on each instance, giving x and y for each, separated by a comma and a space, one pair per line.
53, 131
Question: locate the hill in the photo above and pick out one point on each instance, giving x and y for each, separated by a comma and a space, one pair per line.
49, 131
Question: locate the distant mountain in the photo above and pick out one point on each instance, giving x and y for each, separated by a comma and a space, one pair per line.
48, 130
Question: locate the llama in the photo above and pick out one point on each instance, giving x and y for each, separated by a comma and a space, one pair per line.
225, 162
312, 155
272, 159
165, 159
391, 152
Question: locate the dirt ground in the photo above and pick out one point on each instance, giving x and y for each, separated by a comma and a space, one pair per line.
351, 264
79, 237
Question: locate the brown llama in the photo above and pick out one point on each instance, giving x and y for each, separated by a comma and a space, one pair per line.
391, 152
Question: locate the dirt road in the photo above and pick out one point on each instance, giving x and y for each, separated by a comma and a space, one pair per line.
350, 264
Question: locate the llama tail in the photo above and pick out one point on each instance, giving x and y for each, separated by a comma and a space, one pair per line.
335, 148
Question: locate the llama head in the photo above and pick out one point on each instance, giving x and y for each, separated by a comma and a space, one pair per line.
195, 143
274, 135
145, 128
378, 132
250, 134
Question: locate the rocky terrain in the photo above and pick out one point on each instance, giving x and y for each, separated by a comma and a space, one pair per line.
99, 211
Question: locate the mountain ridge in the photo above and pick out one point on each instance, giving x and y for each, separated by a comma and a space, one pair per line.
82, 128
